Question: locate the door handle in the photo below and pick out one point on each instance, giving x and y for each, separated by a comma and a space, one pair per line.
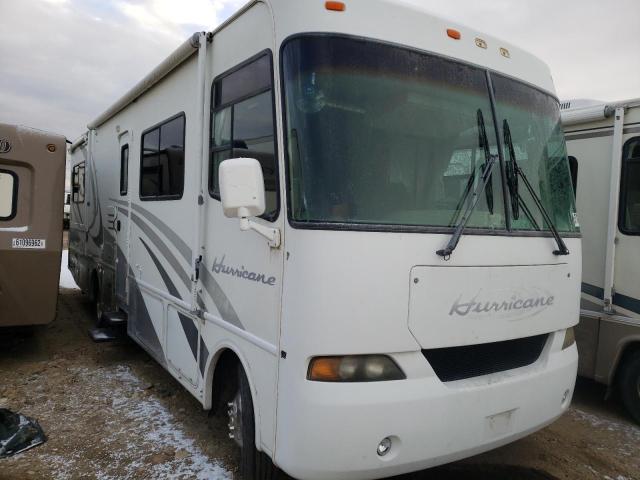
118, 225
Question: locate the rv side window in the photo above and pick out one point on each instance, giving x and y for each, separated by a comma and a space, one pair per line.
124, 169
242, 124
162, 160
77, 183
629, 221
573, 169
8, 195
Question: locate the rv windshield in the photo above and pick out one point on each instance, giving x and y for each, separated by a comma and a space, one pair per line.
537, 143
383, 135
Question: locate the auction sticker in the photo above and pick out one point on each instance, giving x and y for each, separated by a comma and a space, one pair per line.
29, 243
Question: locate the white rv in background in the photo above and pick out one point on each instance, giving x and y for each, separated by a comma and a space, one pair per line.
603, 141
351, 224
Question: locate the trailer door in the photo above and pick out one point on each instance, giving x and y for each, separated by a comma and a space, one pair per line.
121, 211
77, 225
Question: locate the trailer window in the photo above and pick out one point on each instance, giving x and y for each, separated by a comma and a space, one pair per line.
629, 220
573, 169
124, 169
77, 183
8, 195
242, 125
162, 160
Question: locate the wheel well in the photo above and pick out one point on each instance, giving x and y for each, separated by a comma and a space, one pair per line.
225, 380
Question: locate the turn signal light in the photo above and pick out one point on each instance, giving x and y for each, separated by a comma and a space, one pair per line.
354, 368
455, 34
335, 6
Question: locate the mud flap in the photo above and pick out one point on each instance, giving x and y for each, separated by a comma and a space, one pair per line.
18, 433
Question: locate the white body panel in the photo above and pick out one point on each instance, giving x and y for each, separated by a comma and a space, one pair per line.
324, 292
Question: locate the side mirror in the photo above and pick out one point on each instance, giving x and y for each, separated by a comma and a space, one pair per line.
241, 188
242, 195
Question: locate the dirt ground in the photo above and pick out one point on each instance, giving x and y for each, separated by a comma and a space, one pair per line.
111, 412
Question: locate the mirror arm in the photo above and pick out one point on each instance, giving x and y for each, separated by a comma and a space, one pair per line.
271, 234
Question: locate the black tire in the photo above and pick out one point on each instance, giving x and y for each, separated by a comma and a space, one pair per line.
629, 384
254, 465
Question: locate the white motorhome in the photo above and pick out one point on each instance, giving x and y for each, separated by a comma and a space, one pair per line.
603, 140
275, 211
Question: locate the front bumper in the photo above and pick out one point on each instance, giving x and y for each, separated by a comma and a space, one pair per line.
331, 431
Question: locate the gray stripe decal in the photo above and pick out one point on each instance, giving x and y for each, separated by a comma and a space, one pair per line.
97, 209
188, 326
119, 202
173, 261
219, 298
209, 283
191, 332
163, 273
608, 133
580, 136
628, 303
592, 290
143, 324
589, 305
180, 244
204, 356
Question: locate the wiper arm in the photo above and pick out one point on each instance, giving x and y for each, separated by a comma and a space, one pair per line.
485, 179
485, 184
513, 171
484, 143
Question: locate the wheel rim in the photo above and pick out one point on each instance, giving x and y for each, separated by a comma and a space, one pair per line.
235, 419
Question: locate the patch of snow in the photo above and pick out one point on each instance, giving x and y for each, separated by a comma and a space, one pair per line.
149, 429
629, 430
66, 279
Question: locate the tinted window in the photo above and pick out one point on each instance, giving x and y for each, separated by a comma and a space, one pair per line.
162, 161
244, 81
8, 194
242, 125
630, 188
77, 183
573, 168
124, 169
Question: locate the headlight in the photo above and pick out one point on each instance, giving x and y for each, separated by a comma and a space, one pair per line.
354, 368
569, 338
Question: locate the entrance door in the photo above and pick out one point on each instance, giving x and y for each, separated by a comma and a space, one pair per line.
121, 209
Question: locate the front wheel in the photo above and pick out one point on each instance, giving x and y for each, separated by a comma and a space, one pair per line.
629, 384
254, 465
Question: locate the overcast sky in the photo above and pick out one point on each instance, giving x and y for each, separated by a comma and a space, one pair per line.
62, 62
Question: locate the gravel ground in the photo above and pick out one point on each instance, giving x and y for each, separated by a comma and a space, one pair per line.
111, 412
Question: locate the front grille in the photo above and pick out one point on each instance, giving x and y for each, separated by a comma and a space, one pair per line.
457, 363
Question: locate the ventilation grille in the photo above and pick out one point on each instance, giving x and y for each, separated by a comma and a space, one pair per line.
457, 363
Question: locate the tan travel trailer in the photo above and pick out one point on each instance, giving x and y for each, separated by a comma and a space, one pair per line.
32, 168
603, 144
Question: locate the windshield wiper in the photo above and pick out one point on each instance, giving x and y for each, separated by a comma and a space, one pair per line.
513, 170
485, 184
512, 182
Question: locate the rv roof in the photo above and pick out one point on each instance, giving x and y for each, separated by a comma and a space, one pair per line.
393, 21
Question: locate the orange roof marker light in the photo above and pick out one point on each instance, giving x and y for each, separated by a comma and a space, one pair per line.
455, 34
335, 6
